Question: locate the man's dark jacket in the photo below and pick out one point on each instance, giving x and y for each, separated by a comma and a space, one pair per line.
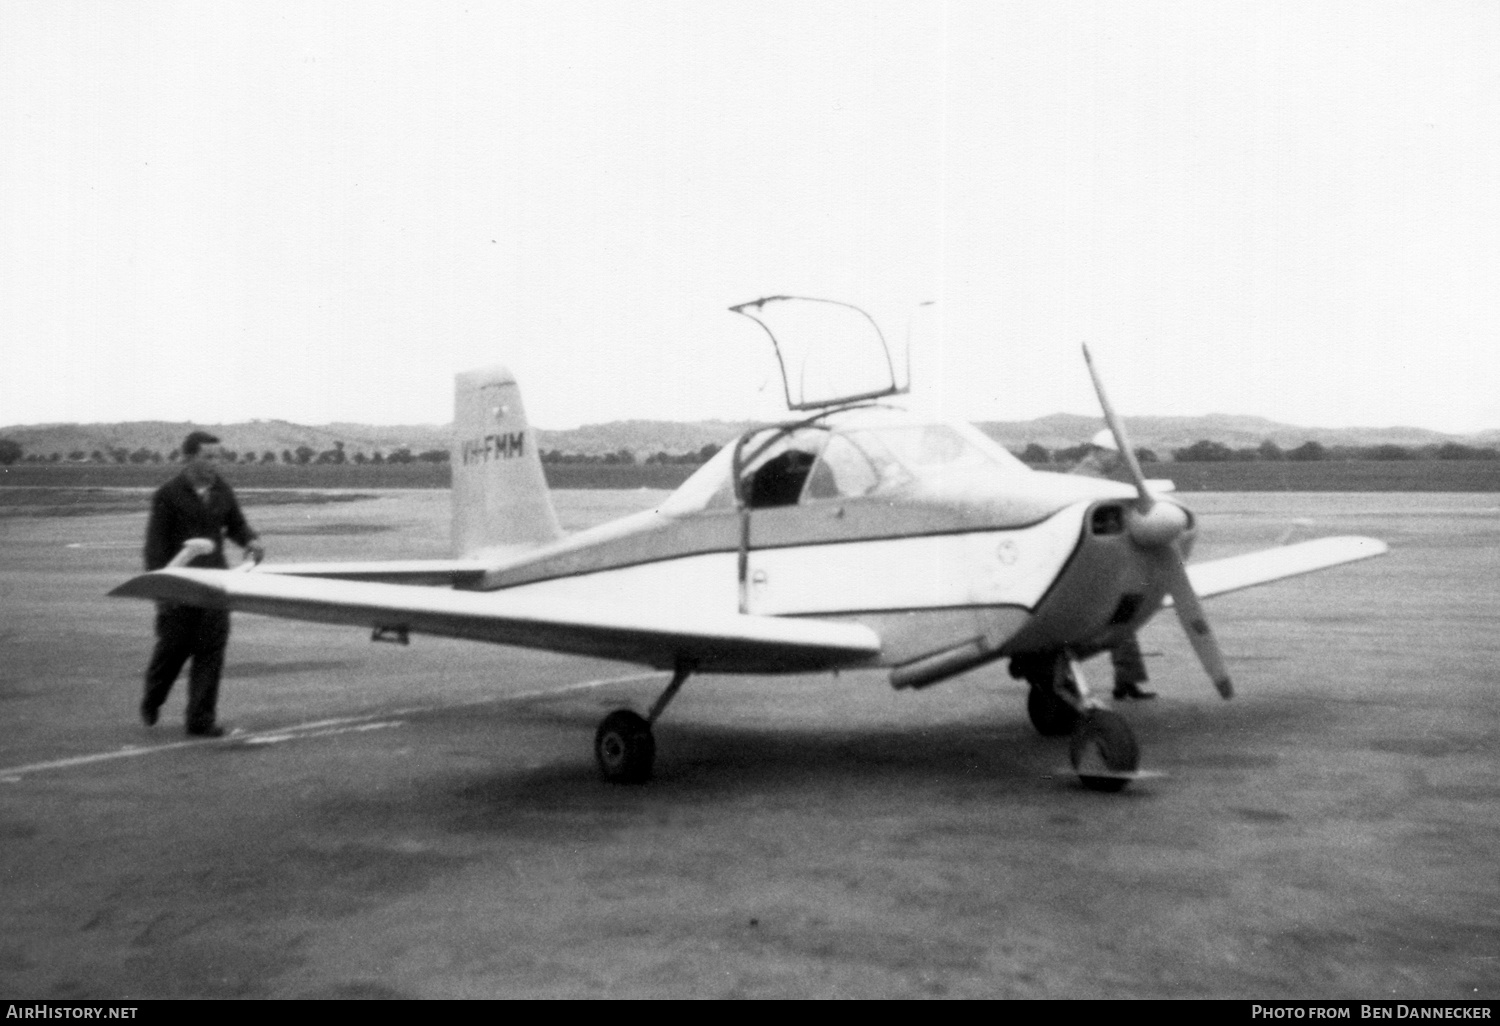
177, 514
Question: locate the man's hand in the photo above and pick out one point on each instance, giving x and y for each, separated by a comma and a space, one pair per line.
255, 551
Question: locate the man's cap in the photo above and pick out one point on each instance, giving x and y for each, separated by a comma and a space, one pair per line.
1105, 440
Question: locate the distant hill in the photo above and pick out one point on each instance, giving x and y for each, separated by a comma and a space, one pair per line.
1164, 434
646, 437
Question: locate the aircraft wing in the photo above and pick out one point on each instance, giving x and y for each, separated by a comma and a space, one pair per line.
447, 573
721, 642
1218, 576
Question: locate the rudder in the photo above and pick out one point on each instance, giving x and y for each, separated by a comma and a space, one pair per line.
500, 497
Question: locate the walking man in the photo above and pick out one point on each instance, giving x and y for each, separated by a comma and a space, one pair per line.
190, 517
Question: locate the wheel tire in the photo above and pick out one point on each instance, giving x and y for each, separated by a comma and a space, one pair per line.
1050, 715
1104, 744
624, 748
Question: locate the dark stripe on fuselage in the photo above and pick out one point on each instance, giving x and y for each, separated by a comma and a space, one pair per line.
897, 610
537, 570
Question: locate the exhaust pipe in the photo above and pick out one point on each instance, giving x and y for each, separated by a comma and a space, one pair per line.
950, 662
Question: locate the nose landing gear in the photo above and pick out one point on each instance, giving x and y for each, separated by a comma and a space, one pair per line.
1103, 748
1104, 752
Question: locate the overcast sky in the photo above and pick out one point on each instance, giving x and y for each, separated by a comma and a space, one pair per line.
319, 212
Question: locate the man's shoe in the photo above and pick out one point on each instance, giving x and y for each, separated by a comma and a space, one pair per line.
212, 730
148, 715
1131, 690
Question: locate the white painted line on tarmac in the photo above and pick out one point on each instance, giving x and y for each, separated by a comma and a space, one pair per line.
13, 774
287, 735
313, 728
526, 696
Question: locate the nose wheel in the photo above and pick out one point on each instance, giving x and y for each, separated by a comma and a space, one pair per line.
1104, 752
1103, 748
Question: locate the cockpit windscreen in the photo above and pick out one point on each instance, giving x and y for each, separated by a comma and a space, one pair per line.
784, 467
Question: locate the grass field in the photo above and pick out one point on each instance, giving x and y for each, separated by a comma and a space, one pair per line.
1333, 476
1284, 476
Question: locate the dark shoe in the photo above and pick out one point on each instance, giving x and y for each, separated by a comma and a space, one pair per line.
148, 715
1131, 690
212, 730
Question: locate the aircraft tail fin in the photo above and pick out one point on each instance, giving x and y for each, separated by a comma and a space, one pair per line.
500, 498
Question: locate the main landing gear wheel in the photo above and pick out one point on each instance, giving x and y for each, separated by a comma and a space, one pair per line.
625, 748
1104, 753
1050, 715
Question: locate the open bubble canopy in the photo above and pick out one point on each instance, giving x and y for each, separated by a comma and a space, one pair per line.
829, 352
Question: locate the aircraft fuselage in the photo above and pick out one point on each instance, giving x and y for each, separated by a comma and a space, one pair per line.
981, 564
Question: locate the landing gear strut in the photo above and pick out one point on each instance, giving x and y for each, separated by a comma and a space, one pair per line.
623, 745
1103, 749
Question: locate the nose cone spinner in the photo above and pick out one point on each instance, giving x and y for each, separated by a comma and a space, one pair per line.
1160, 525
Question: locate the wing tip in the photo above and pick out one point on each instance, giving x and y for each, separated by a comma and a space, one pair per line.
171, 586
136, 587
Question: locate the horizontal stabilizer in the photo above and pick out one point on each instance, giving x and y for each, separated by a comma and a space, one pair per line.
729, 642
1218, 576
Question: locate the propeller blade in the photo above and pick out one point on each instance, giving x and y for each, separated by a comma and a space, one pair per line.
1117, 428
1184, 598
1194, 623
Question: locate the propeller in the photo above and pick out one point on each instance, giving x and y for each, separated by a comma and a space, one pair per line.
1155, 527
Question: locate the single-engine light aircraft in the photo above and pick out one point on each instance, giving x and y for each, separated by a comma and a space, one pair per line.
856, 534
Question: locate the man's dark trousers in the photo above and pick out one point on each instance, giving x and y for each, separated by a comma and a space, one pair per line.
184, 632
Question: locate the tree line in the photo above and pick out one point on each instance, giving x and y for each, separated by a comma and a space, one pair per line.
304, 455
1205, 451
627, 457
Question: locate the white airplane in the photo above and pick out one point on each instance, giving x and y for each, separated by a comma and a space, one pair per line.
856, 535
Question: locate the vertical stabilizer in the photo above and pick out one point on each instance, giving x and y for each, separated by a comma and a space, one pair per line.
500, 498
